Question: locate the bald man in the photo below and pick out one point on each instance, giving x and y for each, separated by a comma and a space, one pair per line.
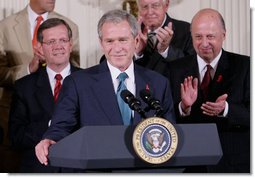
226, 101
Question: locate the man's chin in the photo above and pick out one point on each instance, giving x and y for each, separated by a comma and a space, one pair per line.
119, 59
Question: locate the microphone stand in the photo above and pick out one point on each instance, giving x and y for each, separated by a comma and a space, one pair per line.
142, 113
158, 113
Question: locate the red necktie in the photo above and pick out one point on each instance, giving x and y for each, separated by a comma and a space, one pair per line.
206, 81
39, 19
58, 85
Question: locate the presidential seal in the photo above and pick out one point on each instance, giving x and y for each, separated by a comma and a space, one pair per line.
155, 140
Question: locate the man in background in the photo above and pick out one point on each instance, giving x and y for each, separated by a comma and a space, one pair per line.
19, 57
214, 87
162, 38
35, 95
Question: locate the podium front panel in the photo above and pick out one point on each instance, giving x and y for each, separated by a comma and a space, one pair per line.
110, 147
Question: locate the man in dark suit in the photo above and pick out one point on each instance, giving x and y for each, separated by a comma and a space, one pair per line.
226, 99
173, 39
18, 58
89, 97
35, 94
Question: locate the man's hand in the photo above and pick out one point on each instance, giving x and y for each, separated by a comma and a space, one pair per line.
164, 36
142, 38
188, 92
142, 41
37, 60
215, 108
42, 150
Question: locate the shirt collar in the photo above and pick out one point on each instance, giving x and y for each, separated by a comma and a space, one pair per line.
115, 71
202, 63
64, 73
32, 15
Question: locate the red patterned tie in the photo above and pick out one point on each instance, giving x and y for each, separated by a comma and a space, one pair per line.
206, 81
58, 85
39, 19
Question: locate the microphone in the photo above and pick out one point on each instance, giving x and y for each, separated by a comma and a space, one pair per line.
151, 101
132, 102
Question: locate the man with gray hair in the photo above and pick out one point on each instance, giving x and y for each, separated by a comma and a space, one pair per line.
162, 38
90, 96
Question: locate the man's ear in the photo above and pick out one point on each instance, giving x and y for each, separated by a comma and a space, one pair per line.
136, 40
71, 45
167, 3
39, 47
100, 42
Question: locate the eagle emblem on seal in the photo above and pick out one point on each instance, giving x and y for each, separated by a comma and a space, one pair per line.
155, 140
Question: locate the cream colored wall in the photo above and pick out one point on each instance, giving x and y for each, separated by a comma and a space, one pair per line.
86, 14
236, 14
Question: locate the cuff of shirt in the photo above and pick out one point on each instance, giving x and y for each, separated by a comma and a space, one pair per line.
164, 54
28, 69
225, 113
181, 111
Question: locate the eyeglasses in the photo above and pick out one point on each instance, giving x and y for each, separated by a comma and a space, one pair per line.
62, 41
154, 6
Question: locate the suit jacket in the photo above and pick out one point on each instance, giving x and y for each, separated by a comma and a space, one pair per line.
232, 77
181, 45
31, 109
88, 98
16, 52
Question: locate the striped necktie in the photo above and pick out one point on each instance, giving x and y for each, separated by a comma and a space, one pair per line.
58, 86
152, 40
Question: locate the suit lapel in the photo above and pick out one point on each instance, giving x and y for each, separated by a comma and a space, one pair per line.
104, 93
192, 70
44, 94
142, 82
221, 74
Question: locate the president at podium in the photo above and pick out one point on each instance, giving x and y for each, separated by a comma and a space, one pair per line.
90, 97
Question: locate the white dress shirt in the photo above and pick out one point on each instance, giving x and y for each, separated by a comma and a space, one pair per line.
51, 74
129, 82
202, 69
32, 19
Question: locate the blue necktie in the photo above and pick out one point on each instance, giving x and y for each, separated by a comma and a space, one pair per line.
124, 108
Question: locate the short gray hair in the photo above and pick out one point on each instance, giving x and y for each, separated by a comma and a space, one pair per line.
117, 16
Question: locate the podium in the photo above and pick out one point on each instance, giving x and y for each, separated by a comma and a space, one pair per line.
110, 147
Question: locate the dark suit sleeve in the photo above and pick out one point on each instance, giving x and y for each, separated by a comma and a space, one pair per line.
168, 104
175, 83
65, 118
23, 133
239, 104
